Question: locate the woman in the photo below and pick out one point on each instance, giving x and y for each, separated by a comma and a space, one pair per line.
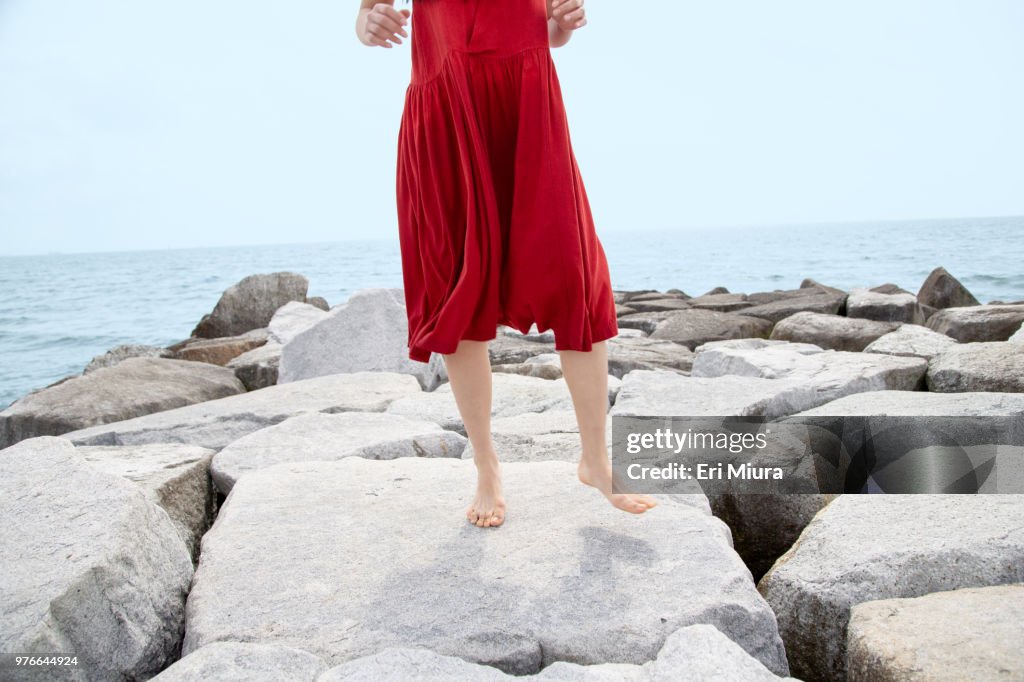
494, 223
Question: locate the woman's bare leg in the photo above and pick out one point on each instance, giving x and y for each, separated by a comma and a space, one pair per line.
469, 373
586, 373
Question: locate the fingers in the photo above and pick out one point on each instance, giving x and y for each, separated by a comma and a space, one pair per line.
569, 13
384, 24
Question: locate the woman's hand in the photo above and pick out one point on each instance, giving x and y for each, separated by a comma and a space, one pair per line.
568, 14
564, 17
378, 23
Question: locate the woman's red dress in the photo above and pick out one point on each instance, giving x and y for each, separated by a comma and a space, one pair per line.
493, 218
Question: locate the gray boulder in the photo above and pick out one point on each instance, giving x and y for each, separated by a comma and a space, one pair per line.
694, 327
257, 368
996, 366
695, 653
515, 348
654, 305
644, 322
320, 436
127, 350
537, 436
978, 323
829, 374
215, 423
661, 392
911, 340
723, 302
942, 290
885, 307
831, 331
512, 394
250, 303
813, 300
626, 353
387, 558
89, 565
219, 351
293, 318
543, 366
369, 332
132, 387
966, 634
245, 662
921, 404
173, 476
866, 547
1018, 336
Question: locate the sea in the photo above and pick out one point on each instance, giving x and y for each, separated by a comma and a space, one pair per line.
58, 310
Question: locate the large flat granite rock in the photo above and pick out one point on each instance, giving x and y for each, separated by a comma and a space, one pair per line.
867, 547
345, 558
215, 423
320, 436
89, 566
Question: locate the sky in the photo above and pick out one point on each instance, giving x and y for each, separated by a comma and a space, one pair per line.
145, 125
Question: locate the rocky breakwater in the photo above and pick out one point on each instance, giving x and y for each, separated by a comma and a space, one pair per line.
284, 491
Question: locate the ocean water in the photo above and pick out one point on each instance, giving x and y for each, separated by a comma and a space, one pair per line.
59, 310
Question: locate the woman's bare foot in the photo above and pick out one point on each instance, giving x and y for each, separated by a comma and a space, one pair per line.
599, 476
488, 508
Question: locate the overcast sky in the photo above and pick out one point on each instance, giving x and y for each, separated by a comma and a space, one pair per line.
136, 125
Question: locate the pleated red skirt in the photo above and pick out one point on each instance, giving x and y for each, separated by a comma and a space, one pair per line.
493, 218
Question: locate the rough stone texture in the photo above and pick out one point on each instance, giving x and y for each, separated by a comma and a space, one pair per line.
831, 331
250, 303
890, 288
621, 310
968, 634
513, 349
644, 322
132, 387
978, 323
318, 302
886, 307
543, 366
818, 301
695, 653
219, 351
176, 477
764, 527
653, 295
626, 353
996, 366
257, 368
829, 374
537, 437
911, 340
942, 290
809, 283
660, 392
369, 332
292, 319
723, 302
866, 547
127, 350
511, 394
319, 436
654, 305
387, 558
245, 662
921, 403
1018, 336
215, 423
694, 327
89, 566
